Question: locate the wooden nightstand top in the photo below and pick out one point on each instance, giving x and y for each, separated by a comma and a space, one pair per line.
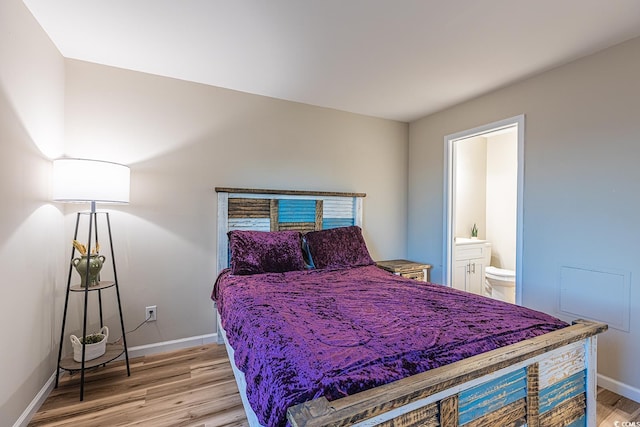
402, 266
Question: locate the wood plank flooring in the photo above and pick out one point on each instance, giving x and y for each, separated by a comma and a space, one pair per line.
192, 387
613, 408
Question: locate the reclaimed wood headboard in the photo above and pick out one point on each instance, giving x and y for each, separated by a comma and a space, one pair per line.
273, 210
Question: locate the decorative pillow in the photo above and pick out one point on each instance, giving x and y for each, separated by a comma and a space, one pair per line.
255, 252
338, 247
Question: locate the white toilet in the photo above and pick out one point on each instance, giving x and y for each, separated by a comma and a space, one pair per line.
502, 283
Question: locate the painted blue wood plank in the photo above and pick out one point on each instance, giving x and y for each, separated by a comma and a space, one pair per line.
328, 223
484, 389
488, 406
491, 396
296, 210
554, 395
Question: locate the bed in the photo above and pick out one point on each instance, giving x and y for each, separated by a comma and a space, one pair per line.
346, 343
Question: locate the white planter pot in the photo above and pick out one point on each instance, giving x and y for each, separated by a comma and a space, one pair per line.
92, 351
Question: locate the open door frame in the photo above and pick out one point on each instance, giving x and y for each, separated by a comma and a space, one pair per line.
449, 193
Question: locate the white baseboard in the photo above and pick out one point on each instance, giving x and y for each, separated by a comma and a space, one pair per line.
141, 350
619, 388
182, 343
36, 403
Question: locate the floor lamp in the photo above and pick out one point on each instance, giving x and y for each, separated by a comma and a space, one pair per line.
92, 181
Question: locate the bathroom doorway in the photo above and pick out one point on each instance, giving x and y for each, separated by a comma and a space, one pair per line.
483, 207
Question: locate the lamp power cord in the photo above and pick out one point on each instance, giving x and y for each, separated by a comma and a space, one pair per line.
119, 340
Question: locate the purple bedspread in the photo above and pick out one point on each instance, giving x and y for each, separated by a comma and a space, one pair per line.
301, 335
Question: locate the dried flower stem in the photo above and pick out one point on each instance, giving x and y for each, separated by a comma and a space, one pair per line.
83, 249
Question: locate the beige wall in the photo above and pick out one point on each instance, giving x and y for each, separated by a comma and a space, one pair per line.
183, 139
502, 198
31, 246
581, 179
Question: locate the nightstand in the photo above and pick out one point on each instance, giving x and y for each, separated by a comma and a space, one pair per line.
410, 269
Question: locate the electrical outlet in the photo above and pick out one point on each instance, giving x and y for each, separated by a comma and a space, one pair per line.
151, 313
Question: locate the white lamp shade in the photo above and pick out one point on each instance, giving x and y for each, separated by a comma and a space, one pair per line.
80, 180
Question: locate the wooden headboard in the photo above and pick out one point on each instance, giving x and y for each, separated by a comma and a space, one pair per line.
273, 210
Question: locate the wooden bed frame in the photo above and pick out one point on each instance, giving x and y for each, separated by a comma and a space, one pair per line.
549, 380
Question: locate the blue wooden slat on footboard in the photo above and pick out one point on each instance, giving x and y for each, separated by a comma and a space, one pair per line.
566, 389
490, 396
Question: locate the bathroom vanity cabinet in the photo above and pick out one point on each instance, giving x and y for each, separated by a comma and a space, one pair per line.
472, 256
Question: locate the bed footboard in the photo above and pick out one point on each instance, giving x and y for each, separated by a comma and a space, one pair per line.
549, 380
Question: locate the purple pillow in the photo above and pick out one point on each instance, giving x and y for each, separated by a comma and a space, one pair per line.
255, 252
338, 247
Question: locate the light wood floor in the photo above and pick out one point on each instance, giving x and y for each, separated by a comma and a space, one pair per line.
192, 387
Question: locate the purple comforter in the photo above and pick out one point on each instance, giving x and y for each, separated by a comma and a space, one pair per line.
301, 335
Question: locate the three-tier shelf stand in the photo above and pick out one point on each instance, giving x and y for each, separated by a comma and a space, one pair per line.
113, 350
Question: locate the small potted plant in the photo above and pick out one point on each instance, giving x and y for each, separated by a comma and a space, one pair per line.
474, 232
96, 345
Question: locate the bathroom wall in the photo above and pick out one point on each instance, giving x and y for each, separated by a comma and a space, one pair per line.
502, 198
486, 188
470, 186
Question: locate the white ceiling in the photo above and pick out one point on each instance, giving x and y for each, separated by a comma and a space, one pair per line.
397, 59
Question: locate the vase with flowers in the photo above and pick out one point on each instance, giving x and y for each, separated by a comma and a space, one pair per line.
93, 262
